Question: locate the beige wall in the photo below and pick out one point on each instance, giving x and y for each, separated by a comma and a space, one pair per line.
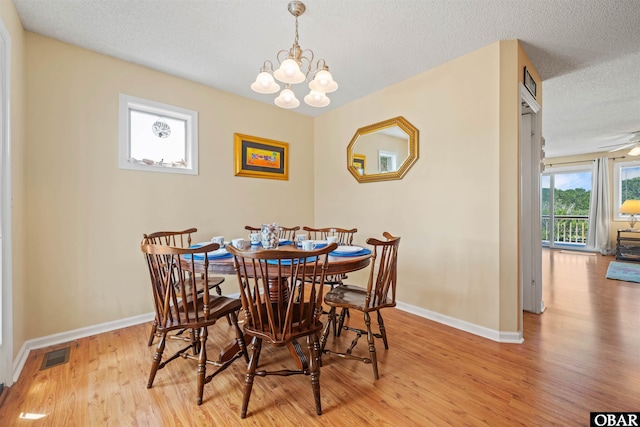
86, 217
18, 161
457, 208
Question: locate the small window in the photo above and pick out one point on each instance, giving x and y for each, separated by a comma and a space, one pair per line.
387, 161
626, 185
157, 137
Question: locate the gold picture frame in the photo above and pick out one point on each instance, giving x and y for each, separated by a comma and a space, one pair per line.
260, 157
360, 162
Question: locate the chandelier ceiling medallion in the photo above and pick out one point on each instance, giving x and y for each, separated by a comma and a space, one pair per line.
292, 63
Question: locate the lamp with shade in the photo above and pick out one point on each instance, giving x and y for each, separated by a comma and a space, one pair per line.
632, 208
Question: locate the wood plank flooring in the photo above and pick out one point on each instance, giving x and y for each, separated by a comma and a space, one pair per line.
582, 354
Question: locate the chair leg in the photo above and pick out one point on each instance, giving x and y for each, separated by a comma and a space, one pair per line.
239, 335
154, 327
344, 312
372, 345
383, 331
157, 358
314, 368
195, 341
256, 346
325, 331
202, 363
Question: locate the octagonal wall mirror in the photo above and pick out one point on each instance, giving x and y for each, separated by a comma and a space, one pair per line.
383, 151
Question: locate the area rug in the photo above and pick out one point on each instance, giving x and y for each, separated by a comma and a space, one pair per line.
623, 271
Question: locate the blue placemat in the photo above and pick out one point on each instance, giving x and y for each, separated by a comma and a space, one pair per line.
210, 255
285, 243
288, 261
201, 257
359, 253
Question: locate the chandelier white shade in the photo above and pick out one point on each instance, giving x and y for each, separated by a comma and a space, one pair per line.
317, 99
289, 72
295, 67
265, 84
287, 99
323, 82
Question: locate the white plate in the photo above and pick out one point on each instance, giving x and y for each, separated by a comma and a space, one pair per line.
347, 249
216, 253
283, 240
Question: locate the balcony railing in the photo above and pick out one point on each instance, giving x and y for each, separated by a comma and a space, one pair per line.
567, 229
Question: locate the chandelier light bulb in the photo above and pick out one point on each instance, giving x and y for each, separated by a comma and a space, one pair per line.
289, 72
317, 99
290, 67
265, 84
323, 82
287, 99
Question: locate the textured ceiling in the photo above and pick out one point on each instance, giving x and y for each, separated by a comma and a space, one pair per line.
587, 51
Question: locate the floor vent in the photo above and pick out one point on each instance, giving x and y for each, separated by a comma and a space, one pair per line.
55, 358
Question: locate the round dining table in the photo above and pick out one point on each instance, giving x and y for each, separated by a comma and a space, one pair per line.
337, 264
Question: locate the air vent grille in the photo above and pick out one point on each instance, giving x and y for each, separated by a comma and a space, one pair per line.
55, 358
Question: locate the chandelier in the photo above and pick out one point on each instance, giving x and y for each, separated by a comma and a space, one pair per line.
292, 64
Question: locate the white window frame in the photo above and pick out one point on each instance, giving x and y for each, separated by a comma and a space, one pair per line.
617, 190
393, 159
128, 103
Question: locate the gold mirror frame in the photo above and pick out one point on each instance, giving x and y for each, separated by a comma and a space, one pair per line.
412, 135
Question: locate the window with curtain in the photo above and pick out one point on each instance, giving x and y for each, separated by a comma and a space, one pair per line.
626, 186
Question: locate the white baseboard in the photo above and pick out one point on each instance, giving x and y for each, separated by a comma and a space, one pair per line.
75, 334
505, 337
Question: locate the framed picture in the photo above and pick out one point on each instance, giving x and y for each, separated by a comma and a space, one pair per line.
359, 162
260, 157
529, 83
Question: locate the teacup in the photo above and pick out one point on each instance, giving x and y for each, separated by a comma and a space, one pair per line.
255, 238
301, 237
240, 243
308, 245
332, 239
219, 240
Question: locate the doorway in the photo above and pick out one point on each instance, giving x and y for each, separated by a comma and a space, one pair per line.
565, 202
530, 227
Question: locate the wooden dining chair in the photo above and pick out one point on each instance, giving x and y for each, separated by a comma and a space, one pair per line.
179, 239
345, 238
344, 235
287, 233
179, 305
279, 311
379, 293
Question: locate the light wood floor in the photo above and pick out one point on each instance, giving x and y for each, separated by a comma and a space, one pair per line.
582, 354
